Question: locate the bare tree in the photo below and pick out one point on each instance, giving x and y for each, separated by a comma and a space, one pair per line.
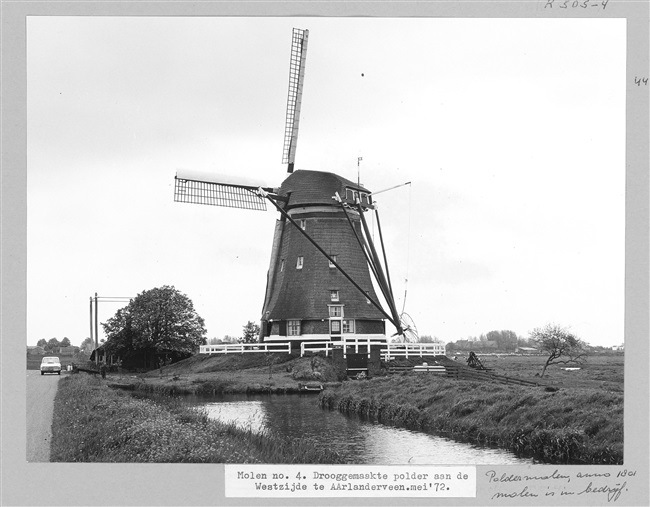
562, 346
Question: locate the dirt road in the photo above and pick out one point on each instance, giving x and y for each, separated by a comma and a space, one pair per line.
40, 405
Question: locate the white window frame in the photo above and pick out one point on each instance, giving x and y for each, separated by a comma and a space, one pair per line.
350, 325
281, 265
303, 224
293, 327
300, 262
333, 310
334, 296
335, 260
336, 322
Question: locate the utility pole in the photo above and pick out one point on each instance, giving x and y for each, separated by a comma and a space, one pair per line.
96, 332
91, 317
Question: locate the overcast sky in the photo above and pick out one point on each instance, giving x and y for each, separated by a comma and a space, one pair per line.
512, 132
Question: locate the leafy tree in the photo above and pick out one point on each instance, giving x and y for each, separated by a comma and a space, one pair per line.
53, 344
523, 342
88, 345
506, 340
157, 321
561, 346
65, 342
429, 339
251, 333
42, 342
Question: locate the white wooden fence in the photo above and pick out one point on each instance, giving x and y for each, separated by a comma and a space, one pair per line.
327, 346
242, 348
388, 351
394, 350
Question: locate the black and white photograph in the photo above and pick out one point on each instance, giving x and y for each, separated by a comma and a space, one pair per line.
392, 242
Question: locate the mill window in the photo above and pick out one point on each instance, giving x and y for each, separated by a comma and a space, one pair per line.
334, 295
348, 326
293, 328
336, 311
299, 263
351, 195
332, 263
303, 224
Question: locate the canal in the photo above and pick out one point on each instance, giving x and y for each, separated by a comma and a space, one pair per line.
359, 441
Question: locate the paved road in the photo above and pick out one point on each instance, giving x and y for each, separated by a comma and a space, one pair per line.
40, 405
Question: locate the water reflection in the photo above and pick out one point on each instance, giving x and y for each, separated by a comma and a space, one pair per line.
359, 441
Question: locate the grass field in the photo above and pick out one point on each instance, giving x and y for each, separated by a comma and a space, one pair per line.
240, 373
576, 418
572, 422
600, 371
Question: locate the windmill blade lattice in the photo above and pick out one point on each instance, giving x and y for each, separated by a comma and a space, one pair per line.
294, 98
218, 194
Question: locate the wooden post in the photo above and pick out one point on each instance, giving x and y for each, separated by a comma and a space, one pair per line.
374, 365
339, 363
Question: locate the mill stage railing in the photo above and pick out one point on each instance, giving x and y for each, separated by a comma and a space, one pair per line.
388, 351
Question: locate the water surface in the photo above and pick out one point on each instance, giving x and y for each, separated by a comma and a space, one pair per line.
359, 441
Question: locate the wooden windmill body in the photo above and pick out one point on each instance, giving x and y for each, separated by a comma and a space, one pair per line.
319, 283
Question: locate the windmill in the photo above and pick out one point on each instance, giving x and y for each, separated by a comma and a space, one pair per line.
319, 285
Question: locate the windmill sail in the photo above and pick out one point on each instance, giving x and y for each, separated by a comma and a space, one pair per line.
214, 190
294, 98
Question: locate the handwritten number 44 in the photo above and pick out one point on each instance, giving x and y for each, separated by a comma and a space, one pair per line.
641, 81
565, 4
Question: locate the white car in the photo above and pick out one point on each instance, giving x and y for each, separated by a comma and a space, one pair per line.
50, 365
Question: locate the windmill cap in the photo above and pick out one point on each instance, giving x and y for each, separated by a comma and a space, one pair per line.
316, 188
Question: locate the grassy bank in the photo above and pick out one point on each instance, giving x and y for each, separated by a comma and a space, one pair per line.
93, 423
233, 374
573, 426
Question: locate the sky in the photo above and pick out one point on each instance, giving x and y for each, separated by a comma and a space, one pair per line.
511, 132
